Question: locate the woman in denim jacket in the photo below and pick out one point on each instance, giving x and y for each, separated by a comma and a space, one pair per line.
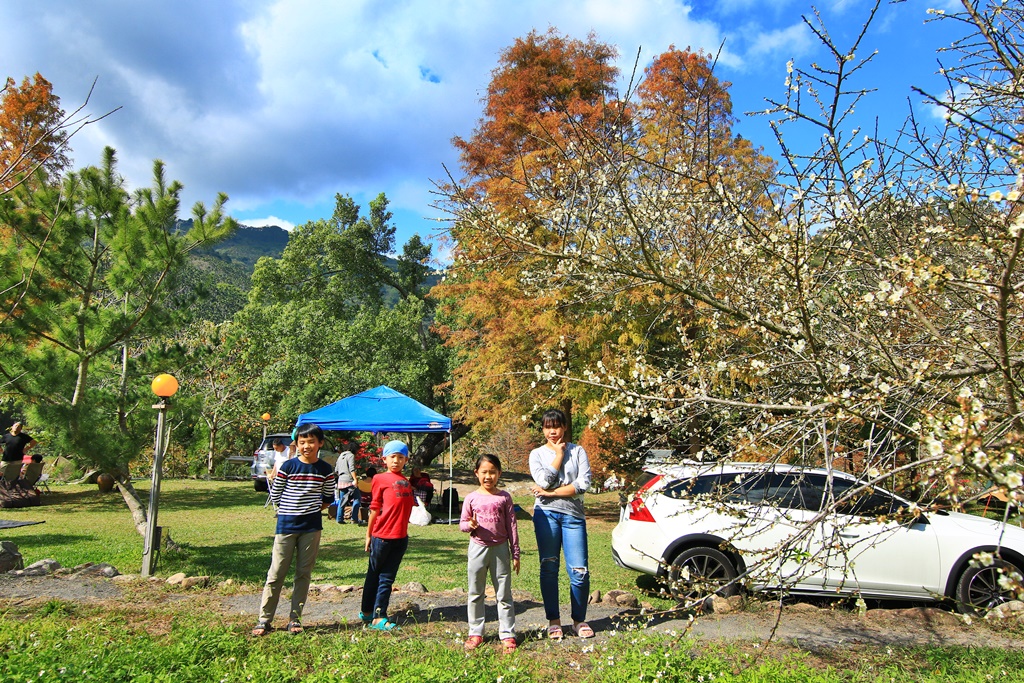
561, 475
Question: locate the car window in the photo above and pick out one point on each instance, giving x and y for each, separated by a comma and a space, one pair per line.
867, 502
709, 485
776, 489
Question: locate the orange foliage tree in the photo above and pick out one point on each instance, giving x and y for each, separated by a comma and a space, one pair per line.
546, 89
33, 134
522, 311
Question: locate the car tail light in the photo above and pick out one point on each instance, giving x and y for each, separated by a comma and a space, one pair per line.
638, 511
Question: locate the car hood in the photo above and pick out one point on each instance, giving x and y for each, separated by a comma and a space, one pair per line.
984, 527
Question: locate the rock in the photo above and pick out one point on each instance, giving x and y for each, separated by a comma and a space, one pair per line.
35, 571
489, 591
101, 569
125, 578
647, 606
345, 588
719, 605
155, 579
1013, 608
193, 581
414, 587
226, 583
80, 567
616, 598
736, 601
928, 616
627, 600
175, 579
801, 607
41, 568
405, 607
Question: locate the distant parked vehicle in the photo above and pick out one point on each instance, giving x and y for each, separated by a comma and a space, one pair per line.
263, 458
708, 528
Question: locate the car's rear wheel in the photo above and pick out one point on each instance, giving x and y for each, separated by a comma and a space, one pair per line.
698, 573
260, 485
982, 588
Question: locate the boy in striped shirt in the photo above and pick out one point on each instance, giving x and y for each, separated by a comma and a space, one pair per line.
301, 489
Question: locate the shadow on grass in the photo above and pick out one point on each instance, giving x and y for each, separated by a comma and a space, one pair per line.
426, 553
32, 541
179, 496
244, 561
207, 499
249, 560
90, 497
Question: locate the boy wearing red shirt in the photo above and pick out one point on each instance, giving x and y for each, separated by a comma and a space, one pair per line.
387, 535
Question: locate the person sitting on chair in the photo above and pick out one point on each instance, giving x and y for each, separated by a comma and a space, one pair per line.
422, 487
361, 504
33, 470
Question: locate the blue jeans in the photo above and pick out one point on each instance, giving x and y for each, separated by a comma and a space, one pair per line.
558, 532
385, 556
344, 497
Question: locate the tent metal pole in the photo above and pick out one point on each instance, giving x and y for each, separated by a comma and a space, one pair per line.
451, 475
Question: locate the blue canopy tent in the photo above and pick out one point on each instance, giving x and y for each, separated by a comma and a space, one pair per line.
383, 410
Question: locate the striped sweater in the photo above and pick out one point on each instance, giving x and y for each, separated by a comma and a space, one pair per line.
299, 491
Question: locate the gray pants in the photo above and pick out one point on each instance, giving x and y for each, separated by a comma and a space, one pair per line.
304, 547
496, 561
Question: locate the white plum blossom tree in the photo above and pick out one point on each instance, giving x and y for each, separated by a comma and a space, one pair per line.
859, 309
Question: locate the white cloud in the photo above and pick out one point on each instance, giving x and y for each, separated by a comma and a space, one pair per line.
287, 102
792, 41
269, 221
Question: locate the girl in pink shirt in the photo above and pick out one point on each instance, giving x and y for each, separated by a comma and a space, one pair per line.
489, 516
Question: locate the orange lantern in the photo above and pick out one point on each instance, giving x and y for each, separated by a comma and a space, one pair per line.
164, 385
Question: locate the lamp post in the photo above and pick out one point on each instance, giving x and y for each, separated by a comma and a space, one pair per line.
164, 387
266, 420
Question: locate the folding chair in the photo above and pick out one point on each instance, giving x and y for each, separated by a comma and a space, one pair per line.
12, 470
44, 482
32, 474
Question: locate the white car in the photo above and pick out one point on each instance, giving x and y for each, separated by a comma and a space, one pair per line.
706, 528
263, 459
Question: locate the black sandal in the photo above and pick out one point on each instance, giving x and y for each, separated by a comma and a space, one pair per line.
294, 628
261, 629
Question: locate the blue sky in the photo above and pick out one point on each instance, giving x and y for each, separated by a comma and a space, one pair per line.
283, 103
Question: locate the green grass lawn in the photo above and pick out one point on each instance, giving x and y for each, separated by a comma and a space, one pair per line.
226, 532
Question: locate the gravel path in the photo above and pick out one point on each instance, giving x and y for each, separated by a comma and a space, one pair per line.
802, 624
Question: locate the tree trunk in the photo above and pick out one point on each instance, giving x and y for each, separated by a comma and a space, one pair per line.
209, 454
134, 503
436, 443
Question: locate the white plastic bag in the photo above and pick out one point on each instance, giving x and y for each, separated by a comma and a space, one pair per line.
419, 516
